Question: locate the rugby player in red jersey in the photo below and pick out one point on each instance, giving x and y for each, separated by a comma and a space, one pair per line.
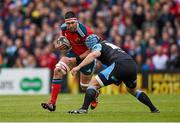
76, 33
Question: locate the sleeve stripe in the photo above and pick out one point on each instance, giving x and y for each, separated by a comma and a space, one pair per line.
81, 30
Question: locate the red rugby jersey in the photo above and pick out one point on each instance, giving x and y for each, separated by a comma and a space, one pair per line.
77, 38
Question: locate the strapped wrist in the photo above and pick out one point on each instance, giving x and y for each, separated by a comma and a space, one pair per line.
78, 58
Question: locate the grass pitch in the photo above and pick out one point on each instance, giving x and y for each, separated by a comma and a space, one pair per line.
112, 108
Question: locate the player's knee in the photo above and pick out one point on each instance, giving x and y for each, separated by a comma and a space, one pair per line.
131, 84
62, 67
83, 86
132, 91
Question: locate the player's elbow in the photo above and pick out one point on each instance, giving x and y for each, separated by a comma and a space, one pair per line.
95, 55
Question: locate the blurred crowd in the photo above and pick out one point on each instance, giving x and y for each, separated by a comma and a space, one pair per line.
148, 30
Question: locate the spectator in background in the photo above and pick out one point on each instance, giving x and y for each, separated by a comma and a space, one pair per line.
129, 26
165, 16
174, 60
149, 20
33, 24
160, 59
10, 51
150, 51
165, 42
139, 61
31, 61
118, 40
148, 65
21, 60
47, 58
18, 63
139, 17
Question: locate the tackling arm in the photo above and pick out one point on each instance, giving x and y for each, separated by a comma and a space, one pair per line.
91, 56
82, 56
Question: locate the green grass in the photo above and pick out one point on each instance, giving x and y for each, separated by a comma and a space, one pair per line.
111, 108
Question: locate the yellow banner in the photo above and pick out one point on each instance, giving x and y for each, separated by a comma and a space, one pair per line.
73, 85
166, 83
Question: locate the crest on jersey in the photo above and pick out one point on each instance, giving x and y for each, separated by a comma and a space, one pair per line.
78, 40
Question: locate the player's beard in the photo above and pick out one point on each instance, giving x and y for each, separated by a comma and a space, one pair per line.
72, 29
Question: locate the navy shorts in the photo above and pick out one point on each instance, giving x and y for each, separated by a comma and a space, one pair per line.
88, 69
118, 72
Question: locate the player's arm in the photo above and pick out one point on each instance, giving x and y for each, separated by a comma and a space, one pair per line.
90, 58
84, 55
80, 57
95, 52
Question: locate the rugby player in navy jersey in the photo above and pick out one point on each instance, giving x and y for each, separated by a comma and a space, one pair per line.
120, 68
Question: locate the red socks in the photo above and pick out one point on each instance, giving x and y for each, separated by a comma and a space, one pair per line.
55, 89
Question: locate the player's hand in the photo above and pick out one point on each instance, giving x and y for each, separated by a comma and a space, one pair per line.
58, 45
75, 70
